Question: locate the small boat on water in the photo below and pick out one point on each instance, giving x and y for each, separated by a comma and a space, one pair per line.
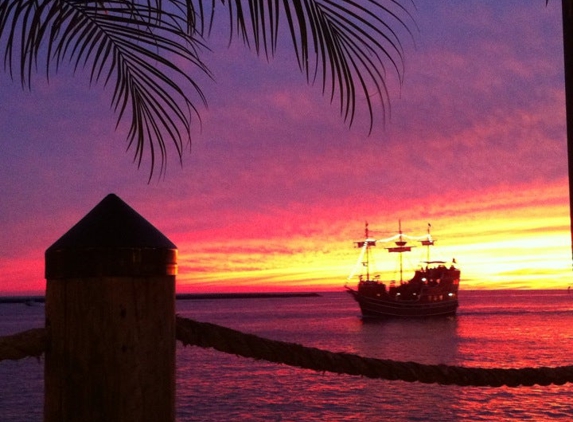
431, 292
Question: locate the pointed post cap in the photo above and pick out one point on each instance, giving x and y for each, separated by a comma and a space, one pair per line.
111, 240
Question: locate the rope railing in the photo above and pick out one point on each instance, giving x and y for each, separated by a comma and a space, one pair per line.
207, 335
30, 343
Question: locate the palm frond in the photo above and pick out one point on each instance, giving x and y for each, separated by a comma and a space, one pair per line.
133, 44
345, 44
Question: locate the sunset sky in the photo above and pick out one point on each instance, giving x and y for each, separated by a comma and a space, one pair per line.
275, 187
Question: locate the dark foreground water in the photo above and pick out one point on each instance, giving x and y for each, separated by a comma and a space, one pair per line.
492, 329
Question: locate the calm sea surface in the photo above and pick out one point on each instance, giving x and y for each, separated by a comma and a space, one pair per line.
492, 329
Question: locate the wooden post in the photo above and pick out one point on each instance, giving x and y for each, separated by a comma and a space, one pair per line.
110, 318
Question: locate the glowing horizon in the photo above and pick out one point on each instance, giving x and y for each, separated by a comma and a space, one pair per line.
523, 247
534, 253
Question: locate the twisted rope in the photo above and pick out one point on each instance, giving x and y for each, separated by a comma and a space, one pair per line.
226, 340
206, 335
31, 343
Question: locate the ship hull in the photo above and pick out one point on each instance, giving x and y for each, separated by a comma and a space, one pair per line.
431, 292
391, 308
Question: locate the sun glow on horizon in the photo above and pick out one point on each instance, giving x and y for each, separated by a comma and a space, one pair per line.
499, 239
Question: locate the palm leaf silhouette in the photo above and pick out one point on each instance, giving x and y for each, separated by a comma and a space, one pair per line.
136, 45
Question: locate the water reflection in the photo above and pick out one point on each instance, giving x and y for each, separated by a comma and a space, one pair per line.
520, 330
429, 341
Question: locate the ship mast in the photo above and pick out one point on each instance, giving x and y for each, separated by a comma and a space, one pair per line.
401, 243
427, 243
366, 244
367, 251
399, 248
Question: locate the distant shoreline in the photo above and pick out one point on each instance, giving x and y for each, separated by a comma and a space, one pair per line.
179, 296
36, 299
196, 296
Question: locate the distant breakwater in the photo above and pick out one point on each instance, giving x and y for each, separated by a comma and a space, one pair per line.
33, 300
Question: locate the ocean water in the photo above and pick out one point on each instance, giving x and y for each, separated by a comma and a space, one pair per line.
492, 329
